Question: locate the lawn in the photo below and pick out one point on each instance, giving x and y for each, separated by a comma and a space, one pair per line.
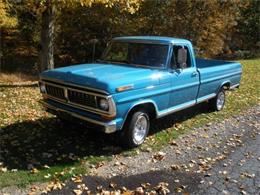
37, 147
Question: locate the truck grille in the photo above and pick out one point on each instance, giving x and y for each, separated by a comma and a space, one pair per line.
56, 92
71, 96
81, 98
76, 96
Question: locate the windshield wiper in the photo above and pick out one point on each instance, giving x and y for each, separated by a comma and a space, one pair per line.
112, 61
126, 62
102, 61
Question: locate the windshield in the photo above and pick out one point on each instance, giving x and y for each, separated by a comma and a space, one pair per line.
144, 54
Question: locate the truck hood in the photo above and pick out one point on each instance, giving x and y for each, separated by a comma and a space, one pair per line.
105, 77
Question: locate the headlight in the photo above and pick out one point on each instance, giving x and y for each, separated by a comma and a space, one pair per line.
42, 88
103, 104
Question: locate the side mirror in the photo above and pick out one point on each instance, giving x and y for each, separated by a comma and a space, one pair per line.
182, 58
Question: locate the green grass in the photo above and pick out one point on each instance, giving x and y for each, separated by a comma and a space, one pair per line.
31, 137
22, 178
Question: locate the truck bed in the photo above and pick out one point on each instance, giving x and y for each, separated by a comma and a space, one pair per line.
205, 63
214, 73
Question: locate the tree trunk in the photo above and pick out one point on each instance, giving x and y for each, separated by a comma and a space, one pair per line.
46, 60
1, 49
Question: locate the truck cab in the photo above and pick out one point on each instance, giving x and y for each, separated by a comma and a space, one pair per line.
137, 79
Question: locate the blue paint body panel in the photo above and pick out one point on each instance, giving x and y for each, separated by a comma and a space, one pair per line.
106, 77
214, 73
165, 89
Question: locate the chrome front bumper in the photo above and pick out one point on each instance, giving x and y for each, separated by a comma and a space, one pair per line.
109, 127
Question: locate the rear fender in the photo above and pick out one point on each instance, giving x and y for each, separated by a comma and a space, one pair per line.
225, 84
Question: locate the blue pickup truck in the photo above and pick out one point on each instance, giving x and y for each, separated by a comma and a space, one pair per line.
137, 79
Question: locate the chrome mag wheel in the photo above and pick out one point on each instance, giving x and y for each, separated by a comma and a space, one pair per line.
140, 129
220, 100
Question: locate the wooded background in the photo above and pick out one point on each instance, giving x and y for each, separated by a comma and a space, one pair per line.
41, 34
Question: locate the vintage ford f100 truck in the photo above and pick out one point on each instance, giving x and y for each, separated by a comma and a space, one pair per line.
137, 79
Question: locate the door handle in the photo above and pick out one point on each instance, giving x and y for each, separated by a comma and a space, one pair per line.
194, 74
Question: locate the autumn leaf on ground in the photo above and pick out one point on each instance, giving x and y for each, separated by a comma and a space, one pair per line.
175, 167
162, 188
173, 143
34, 171
77, 179
77, 191
159, 156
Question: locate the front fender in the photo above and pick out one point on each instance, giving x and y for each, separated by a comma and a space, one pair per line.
135, 104
158, 96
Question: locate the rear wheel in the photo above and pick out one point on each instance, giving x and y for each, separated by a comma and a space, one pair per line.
135, 129
218, 102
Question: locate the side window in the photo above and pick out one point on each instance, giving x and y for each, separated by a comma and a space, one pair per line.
174, 59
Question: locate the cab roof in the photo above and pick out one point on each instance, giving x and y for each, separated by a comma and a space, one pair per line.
153, 39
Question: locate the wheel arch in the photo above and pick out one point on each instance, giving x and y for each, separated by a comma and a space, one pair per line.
226, 85
148, 105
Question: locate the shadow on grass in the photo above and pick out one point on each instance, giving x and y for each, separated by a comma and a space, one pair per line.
52, 142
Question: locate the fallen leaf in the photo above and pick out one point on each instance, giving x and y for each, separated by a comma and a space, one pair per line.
34, 171
175, 167
78, 191
173, 143
112, 185
99, 164
145, 185
3, 169
77, 179
159, 156
139, 191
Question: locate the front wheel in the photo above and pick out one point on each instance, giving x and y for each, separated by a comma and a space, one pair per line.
218, 102
136, 129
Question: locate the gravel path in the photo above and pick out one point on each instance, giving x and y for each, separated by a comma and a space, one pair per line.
219, 158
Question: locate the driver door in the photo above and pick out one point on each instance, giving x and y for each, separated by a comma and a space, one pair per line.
184, 79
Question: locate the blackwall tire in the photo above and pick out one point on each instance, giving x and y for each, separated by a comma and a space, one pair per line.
218, 102
135, 130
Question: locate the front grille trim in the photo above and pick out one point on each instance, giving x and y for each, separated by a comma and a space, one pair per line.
55, 91
85, 99
66, 101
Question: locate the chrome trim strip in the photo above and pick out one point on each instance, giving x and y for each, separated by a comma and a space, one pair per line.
177, 108
72, 85
174, 109
65, 93
109, 127
234, 86
205, 98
